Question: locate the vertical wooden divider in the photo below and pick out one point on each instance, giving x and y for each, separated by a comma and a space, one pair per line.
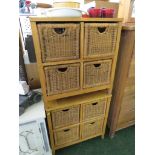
114, 60
81, 52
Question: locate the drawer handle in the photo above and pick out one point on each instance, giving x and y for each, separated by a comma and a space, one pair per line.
62, 69
59, 30
92, 123
66, 130
101, 29
65, 110
97, 65
95, 103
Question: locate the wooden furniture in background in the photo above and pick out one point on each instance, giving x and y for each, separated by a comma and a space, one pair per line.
85, 72
32, 75
125, 10
122, 109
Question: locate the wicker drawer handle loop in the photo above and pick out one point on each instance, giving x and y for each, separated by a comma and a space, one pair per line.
92, 123
66, 130
97, 65
59, 30
102, 29
62, 69
94, 103
65, 110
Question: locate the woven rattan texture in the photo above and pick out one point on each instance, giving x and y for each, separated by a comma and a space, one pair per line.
92, 128
59, 41
66, 135
67, 116
100, 39
94, 109
62, 78
97, 73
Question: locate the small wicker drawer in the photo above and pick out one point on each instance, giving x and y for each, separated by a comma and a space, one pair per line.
59, 41
62, 78
92, 128
100, 39
66, 135
66, 116
97, 73
93, 109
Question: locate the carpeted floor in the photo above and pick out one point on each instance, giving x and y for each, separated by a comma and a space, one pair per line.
123, 143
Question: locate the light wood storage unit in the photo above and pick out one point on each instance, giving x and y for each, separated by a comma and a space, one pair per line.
122, 109
76, 56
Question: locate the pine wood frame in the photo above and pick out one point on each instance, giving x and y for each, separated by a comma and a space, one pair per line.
49, 100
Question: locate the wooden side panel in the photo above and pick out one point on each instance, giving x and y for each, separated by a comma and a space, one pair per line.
123, 90
126, 116
32, 75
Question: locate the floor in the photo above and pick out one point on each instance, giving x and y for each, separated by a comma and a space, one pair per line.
123, 143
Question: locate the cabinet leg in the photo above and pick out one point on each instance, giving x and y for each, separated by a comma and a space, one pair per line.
112, 135
53, 152
102, 136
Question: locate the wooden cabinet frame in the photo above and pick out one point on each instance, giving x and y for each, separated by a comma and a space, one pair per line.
50, 101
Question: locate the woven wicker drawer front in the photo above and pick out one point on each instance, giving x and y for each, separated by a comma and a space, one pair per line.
94, 109
67, 135
66, 116
97, 73
92, 128
100, 38
59, 41
62, 78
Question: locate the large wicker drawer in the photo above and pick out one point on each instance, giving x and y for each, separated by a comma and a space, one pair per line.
62, 78
59, 41
93, 109
100, 39
92, 128
66, 116
66, 135
97, 73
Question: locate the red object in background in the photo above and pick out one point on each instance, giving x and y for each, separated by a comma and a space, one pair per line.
94, 12
85, 16
107, 13
28, 3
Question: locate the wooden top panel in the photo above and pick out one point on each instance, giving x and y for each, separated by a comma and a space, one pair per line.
75, 19
76, 100
128, 26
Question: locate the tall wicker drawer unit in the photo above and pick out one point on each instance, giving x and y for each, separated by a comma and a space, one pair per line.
76, 60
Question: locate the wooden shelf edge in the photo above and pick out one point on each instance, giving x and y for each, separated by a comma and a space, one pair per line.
73, 19
77, 92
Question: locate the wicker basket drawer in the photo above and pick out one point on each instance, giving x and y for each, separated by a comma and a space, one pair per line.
93, 109
66, 116
66, 135
97, 73
100, 39
59, 41
92, 128
62, 78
